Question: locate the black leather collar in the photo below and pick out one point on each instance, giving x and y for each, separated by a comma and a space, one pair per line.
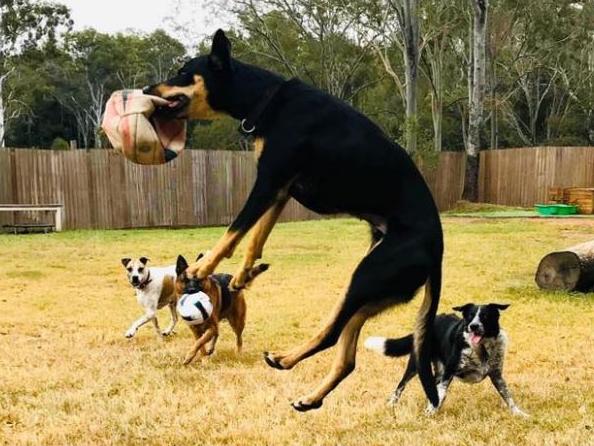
142, 285
249, 123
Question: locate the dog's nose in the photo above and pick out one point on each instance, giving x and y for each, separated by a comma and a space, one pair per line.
134, 279
147, 89
474, 327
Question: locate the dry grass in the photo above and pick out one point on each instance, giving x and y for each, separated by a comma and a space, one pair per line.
68, 376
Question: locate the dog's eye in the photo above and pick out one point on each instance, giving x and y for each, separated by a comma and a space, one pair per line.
129, 270
140, 270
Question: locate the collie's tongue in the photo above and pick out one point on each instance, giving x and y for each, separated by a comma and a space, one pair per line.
475, 339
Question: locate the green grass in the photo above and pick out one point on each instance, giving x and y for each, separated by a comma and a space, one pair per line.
68, 376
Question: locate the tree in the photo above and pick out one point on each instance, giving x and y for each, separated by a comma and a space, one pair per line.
475, 121
24, 24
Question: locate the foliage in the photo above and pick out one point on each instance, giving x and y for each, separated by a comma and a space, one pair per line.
540, 69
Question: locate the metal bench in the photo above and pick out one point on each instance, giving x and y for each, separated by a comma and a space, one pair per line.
57, 209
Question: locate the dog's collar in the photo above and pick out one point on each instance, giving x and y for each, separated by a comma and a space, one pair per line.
142, 285
248, 124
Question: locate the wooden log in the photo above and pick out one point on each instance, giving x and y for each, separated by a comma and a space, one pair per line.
571, 269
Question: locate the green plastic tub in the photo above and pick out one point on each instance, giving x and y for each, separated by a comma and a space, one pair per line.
556, 209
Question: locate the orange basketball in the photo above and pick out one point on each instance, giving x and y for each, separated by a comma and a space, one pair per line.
132, 128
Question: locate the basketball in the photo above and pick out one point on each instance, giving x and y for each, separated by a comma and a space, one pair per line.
133, 129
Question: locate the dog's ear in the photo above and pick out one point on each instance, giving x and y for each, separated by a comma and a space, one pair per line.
181, 265
144, 260
125, 261
199, 256
463, 308
220, 52
500, 307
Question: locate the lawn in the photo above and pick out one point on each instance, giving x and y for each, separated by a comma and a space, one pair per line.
69, 377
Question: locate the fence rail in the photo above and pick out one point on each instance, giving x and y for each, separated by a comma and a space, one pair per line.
100, 189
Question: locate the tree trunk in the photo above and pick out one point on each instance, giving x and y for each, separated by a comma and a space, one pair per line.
494, 117
411, 62
476, 100
570, 270
2, 123
2, 144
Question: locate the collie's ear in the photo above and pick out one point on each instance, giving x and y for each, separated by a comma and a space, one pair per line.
125, 261
220, 52
500, 307
181, 265
463, 308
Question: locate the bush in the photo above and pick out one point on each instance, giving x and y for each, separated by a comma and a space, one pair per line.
60, 144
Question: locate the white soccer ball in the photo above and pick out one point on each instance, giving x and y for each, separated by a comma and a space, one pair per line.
194, 308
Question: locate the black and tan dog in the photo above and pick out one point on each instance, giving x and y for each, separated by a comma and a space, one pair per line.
332, 159
227, 304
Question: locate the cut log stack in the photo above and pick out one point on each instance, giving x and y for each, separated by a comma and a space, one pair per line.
582, 197
571, 269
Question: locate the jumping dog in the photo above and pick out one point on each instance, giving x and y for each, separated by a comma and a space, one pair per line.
227, 304
332, 159
468, 348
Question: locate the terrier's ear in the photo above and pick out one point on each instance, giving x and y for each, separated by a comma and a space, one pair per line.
125, 261
181, 265
144, 260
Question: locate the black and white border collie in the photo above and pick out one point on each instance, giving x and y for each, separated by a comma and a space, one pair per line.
469, 348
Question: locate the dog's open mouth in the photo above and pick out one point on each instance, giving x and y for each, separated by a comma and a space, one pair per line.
475, 338
174, 105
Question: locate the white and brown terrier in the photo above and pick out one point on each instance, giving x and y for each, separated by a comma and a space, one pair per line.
155, 288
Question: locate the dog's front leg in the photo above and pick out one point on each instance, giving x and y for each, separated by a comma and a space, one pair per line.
148, 316
270, 183
258, 236
501, 386
208, 334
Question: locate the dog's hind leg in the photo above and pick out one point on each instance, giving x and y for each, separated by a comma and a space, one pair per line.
409, 373
326, 337
171, 326
343, 365
155, 322
237, 320
389, 274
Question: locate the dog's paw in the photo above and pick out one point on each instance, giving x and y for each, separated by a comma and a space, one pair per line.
431, 410
168, 332
517, 412
394, 398
302, 406
273, 361
130, 333
188, 359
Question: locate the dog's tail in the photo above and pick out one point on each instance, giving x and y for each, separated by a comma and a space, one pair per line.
255, 272
390, 346
422, 335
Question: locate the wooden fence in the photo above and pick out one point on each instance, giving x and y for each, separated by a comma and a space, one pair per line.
522, 177
100, 189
